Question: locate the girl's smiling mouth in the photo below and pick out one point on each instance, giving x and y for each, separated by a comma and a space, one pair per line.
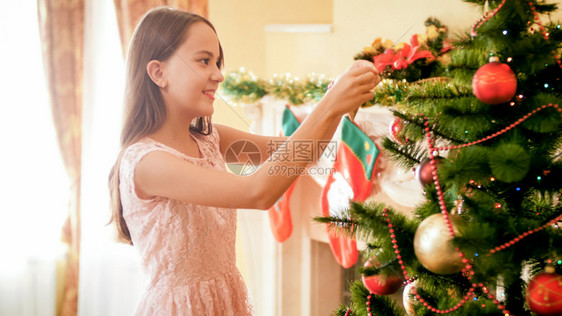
209, 93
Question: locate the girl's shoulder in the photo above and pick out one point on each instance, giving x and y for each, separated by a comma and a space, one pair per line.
134, 152
208, 144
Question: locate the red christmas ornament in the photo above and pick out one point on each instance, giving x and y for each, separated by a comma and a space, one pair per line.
494, 83
379, 284
424, 172
396, 128
544, 293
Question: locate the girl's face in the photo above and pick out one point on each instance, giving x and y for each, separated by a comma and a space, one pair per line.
192, 73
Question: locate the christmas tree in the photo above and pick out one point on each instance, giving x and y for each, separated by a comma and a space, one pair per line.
484, 140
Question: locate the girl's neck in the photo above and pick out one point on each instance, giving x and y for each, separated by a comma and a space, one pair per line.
177, 136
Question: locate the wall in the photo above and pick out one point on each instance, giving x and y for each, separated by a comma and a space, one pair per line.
241, 26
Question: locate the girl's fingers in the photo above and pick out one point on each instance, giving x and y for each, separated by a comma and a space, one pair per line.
366, 67
355, 85
367, 78
363, 64
368, 96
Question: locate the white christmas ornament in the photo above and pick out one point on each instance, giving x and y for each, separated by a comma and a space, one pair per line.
408, 299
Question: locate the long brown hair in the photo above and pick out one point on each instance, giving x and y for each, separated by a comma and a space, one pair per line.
157, 36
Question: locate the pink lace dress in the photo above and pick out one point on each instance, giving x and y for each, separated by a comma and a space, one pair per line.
187, 251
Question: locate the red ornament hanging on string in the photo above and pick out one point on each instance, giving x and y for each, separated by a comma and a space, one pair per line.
544, 293
396, 128
424, 172
380, 284
494, 83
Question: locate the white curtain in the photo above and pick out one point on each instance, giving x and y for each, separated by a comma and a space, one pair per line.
110, 278
33, 183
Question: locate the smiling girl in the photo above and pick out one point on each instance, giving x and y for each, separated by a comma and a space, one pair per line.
172, 197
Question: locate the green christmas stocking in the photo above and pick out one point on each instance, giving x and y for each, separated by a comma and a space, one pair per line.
280, 214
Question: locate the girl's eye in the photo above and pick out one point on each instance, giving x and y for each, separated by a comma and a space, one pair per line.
205, 61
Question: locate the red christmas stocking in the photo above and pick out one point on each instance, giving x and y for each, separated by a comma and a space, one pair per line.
352, 180
280, 213
280, 216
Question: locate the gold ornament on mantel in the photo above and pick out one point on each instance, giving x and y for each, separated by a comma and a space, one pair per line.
433, 247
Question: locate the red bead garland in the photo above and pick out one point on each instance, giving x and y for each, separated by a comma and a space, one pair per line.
467, 271
395, 246
410, 280
536, 18
538, 21
418, 296
442, 205
484, 19
502, 131
544, 33
491, 297
523, 235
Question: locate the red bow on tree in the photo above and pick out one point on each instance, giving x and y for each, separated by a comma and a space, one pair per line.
403, 57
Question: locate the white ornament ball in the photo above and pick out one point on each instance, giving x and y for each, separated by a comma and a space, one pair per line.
408, 299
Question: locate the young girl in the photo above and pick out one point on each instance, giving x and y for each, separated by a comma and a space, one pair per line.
172, 197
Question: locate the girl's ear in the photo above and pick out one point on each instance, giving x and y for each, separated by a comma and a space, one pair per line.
155, 71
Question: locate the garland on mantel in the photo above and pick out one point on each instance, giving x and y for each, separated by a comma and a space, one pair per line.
245, 87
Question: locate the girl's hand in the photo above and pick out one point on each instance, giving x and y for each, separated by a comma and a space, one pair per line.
352, 88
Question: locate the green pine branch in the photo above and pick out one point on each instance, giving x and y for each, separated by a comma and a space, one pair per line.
380, 305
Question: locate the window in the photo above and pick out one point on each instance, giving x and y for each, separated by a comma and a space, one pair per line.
33, 182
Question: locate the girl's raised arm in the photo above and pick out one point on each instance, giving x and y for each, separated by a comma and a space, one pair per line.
265, 144
162, 174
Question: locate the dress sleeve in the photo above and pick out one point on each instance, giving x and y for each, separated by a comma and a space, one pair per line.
131, 157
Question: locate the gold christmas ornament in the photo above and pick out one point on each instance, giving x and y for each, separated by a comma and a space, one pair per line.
433, 247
